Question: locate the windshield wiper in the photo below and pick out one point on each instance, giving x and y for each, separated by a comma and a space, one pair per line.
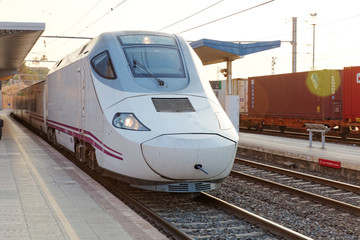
137, 63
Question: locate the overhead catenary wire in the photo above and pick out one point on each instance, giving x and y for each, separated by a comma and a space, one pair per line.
98, 19
73, 25
89, 25
82, 17
222, 18
191, 15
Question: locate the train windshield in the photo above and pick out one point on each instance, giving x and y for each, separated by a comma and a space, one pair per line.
159, 55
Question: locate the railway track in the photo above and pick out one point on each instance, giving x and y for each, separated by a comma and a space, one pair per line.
208, 217
312, 178
305, 188
183, 216
188, 216
316, 207
218, 216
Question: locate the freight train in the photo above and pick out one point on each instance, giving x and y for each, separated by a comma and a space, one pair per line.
329, 97
133, 106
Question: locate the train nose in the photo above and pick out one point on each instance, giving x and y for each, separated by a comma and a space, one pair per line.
189, 156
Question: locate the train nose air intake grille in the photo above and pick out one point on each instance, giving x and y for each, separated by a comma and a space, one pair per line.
189, 187
172, 105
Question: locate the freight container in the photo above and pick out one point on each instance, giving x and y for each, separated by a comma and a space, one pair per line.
240, 87
315, 95
351, 87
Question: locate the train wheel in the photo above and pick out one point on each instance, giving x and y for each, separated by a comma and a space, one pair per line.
91, 159
42, 133
345, 132
79, 151
51, 136
282, 129
54, 138
259, 127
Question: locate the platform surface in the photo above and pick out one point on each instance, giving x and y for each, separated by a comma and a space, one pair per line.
349, 156
44, 196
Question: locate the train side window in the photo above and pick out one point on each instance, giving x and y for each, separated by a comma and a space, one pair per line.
103, 66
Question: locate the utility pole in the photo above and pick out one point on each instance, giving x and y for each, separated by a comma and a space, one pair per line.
294, 44
313, 20
273, 62
313, 61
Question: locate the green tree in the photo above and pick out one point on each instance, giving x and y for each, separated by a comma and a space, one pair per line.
31, 73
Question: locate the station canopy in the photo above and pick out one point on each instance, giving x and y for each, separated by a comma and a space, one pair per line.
16, 41
213, 51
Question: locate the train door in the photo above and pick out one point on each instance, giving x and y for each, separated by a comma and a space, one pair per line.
336, 109
45, 109
79, 143
91, 118
336, 90
82, 103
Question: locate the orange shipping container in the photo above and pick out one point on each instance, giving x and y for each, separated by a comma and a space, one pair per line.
352, 94
306, 95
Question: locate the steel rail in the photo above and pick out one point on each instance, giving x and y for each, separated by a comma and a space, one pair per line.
324, 181
166, 226
264, 223
314, 197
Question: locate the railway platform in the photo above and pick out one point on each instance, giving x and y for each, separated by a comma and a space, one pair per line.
289, 151
45, 196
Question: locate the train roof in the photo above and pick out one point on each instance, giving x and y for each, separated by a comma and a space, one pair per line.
83, 51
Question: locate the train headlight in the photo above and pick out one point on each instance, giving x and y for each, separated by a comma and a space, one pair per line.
128, 121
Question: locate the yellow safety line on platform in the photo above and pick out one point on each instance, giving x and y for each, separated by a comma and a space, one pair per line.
57, 210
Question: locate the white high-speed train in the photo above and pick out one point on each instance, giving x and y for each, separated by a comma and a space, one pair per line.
133, 106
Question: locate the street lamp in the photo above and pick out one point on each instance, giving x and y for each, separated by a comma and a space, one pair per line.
313, 22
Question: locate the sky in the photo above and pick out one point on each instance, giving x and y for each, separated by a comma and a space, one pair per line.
336, 28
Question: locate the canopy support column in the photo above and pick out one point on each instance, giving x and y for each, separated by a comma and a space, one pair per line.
229, 76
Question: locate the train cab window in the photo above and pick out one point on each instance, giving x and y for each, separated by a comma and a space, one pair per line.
153, 55
103, 66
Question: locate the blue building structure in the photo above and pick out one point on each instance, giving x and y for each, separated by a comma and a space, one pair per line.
213, 51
